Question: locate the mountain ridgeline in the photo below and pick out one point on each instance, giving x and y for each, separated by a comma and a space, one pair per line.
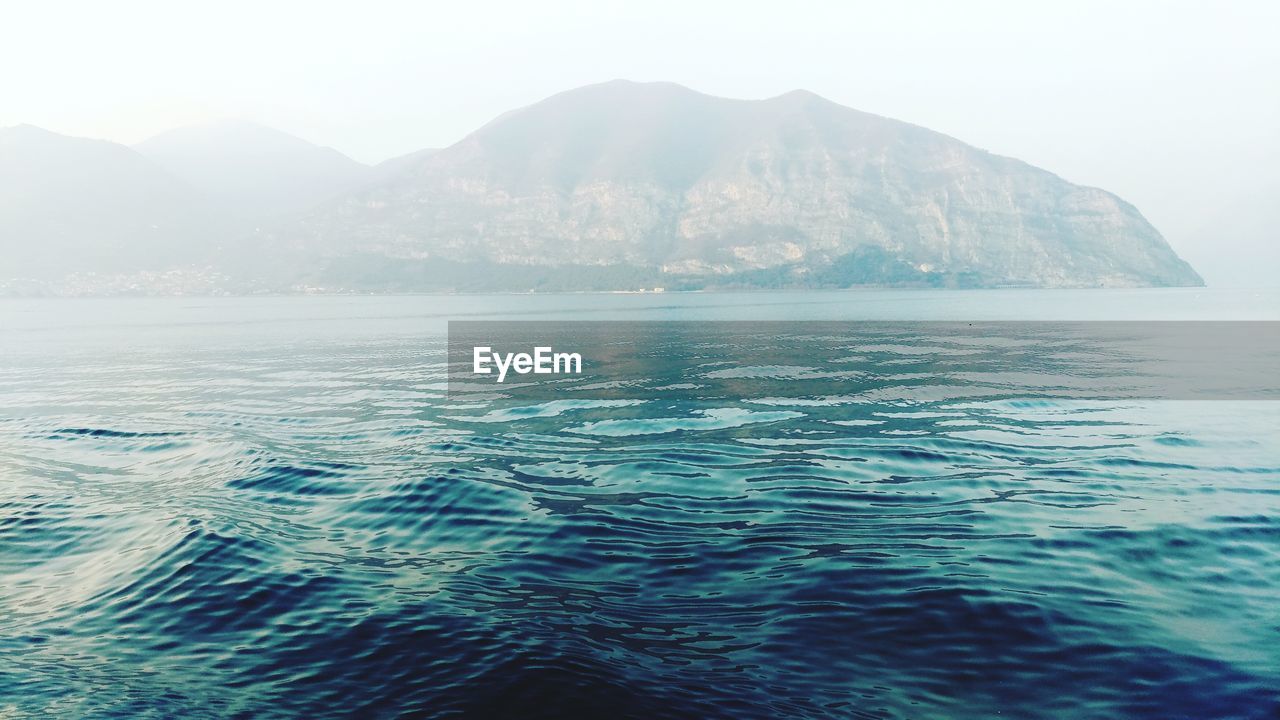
255, 172
616, 186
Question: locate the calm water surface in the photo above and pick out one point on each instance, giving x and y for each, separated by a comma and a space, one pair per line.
269, 507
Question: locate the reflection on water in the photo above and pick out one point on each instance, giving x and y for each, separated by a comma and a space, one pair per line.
309, 526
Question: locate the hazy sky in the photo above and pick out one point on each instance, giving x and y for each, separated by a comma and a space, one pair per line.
1175, 106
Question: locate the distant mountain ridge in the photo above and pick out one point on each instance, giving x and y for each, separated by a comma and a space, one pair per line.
619, 186
254, 171
77, 205
176, 213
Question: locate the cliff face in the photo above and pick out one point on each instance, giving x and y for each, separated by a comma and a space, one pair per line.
702, 191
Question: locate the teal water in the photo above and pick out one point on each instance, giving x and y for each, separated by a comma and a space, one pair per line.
270, 507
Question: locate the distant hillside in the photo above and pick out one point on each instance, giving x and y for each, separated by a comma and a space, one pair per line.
74, 205
656, 181
388, 169
253, 171
178, 214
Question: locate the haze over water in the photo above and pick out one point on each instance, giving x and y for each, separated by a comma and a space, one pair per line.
270, 507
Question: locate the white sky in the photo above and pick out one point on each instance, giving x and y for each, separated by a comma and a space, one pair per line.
1175, 106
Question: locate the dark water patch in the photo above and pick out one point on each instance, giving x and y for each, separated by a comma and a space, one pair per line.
322, 479
948, 478
1176, 441
67, 433
1140, 463
1020, 658
532, 480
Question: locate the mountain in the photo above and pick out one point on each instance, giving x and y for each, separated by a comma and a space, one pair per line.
388, 169
251, 171
614, 186
72, 205
625, 184
175, 214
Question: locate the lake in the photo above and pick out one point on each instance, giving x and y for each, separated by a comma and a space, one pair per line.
273, 507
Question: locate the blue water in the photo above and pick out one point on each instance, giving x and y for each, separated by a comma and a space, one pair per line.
269, 507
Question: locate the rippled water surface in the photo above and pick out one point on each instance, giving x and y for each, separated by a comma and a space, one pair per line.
271, 508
